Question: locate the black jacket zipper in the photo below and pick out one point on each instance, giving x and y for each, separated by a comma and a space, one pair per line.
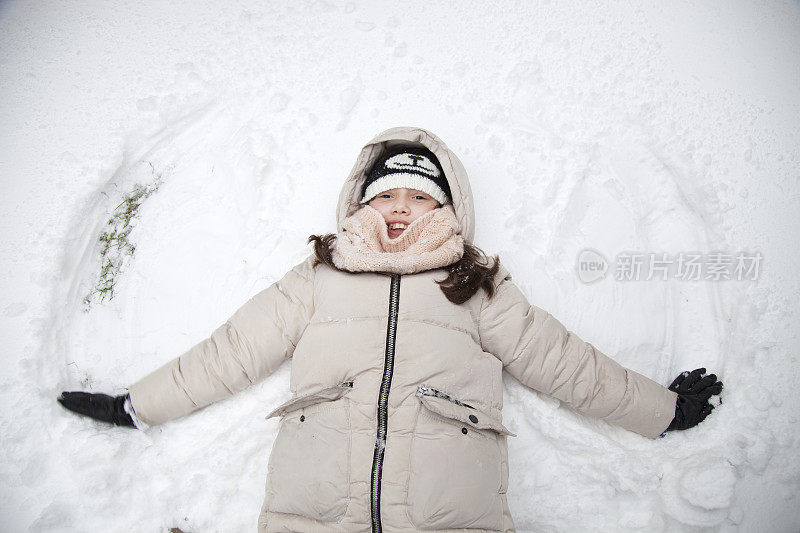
383, 404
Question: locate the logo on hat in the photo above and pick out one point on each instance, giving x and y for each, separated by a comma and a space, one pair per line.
413, 162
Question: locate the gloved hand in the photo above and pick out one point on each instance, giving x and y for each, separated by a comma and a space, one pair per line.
694, 390
98, 406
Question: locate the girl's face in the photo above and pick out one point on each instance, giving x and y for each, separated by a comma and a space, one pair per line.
401, 207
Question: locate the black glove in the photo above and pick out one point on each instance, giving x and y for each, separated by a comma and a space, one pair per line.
694, 390
98, 406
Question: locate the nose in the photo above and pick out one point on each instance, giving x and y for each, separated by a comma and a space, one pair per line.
400, 205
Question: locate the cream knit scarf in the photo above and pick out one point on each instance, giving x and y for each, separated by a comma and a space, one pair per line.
431, 241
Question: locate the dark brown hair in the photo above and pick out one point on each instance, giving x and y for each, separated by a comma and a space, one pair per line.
465, 276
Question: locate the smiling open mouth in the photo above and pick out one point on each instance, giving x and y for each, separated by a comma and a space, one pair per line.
396, 228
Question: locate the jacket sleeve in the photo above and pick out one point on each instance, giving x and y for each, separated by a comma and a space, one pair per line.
247, 348
537, 349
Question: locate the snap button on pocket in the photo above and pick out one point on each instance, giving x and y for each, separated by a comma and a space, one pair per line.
302, 418
464, 431
473, 419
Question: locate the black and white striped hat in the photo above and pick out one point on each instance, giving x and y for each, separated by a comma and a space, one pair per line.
409, 167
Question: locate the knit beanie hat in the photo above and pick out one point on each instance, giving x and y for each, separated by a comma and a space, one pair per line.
409, 167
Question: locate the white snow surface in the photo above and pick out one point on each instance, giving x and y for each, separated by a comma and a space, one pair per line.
661, 127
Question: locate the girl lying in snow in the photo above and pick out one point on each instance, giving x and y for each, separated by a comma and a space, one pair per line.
399, 329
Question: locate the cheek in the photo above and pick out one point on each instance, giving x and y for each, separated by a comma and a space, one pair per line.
382, 210
426, 208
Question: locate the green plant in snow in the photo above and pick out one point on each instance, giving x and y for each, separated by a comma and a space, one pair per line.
115, 242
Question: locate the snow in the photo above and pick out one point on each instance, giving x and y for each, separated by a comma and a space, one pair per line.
665, 128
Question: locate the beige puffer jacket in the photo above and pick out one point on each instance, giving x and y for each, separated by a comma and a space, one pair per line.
395, 419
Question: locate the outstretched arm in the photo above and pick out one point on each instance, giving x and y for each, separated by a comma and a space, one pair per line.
245, 349
539, 351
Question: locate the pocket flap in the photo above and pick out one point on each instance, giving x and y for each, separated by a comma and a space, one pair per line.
325, 395
445, 406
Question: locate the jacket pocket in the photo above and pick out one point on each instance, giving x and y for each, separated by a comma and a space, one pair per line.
456, 465
309, 467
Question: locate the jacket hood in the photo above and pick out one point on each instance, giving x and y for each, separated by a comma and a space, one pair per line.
453, 170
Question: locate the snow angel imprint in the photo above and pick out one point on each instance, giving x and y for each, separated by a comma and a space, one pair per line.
394, 421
